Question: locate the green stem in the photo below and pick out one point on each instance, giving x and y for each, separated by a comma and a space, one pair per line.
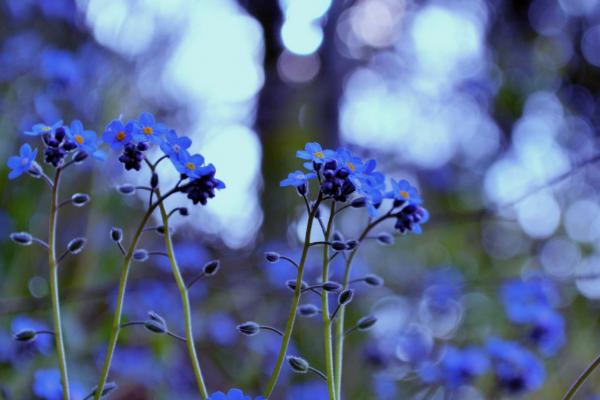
339, 327
296, 299
191, 347
581, 379
56, 317
325, 312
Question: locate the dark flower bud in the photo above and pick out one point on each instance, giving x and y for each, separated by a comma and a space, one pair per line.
366, 323
373, 280
345, 297
76, 245
154, 180
22, 238
108, 387
155, 326
140, 255
338, 245
249, 328
35, 170
351, 244
160, 230
80, 199
49, 140
302, 189
298, 364
116, 234
308, 310
126, 189
80, 156
183, 211
316, 166
272, 256
359, 202
291, 284
70, 146
331, 286
142, 146
25, 335
385, 238
211, 267
337, 236
59, 133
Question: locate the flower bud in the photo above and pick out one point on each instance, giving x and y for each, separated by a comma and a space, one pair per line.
35, 170
302, 189
211, 267
249, 328
345, 297
351, 244
366, 323
22, 238
126, 189
116, 234
143, 146
80, 156
160, 230
76, 245
155, 326
154, 180
25, 335
291, 284
373, 280
331, 286
183, 211
298, 364
338, 245
156, 317
308, 310
272, 256
140, 255
80, 199
359, 202
385, 238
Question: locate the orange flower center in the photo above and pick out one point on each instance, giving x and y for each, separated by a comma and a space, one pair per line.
148, 130
120, 136
79, 139
191, 166
404, 194
351, 166
46, 128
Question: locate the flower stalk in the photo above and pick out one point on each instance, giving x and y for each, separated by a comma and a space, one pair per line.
328, 345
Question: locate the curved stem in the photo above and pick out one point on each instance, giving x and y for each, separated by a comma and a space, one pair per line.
581, 379
295, 301
187, 313
325, 311
339, 327
56, 316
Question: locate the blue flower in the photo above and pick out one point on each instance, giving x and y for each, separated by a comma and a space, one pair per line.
117, 135
47, 385
40, 129
297, 178
314, 152
148, 130
516, 369
199, 190
85, 140
174, 146
21, 163
347, 160
190, 165
548, 332
403, 192
457, 367
524, 300
233, 394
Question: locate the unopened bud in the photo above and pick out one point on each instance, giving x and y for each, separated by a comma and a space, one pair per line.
308, 310
22, 238
331, 286
272, 256
373, 280
126, 189
366, 323
80, 199
140, 255
249, 328
211, 267
25, 335
345, 297
116, 234
298, 364
76, 245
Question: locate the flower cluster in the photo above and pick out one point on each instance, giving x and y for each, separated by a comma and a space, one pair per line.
342, 174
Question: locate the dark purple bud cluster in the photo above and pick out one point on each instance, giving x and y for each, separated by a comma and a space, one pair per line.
410, 218
336, 181
203, 188
57, 146
133, 155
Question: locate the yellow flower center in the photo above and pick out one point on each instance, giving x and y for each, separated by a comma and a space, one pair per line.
191, 166
79, 139
404, 194
351, 166
24, 161
148, 130
319, 154
46, 128
120, 136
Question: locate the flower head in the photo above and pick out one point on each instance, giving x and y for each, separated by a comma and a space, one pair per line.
314, 153
190, 165
117, 135
174, 146
403, 192
85, 140
297, 179
349, 161
548, 332
457, 367
410, 218
200, 189
41, 129
516, 369
525, 300
133, 155
233, 394
336, 181
148, 130
23, 162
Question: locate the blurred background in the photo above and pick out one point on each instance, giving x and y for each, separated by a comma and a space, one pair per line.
489, 107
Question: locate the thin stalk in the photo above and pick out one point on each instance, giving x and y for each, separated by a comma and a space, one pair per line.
581, 379
56, 316
187, 313
325, 312
339, 327
295, 301
116, 326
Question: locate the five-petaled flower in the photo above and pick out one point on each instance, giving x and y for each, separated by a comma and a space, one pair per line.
190, 165
403, 192
148, 130
117, 135
233, 394
85, 140
41, 129
314, 152
175, 146
297, 178
23, 162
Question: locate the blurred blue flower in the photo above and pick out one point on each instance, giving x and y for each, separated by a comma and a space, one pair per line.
312, 390
314, 152
61, 67
117, 135
297, 178
148, 130
174, 146
47, 385
40, 129
403, 192
136, 364
20, 164
456, 368
443, 285
233, 394
516, 369
548, 332
415, 345
221, 329
524, 300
